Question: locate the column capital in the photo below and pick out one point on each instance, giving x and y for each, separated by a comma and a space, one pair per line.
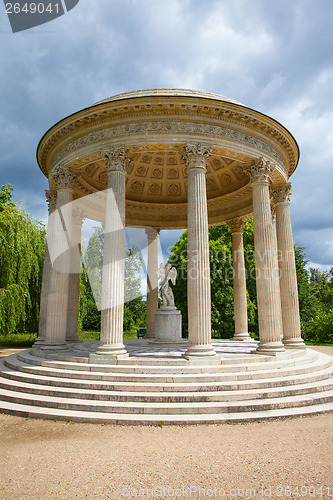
259, 170
236, 225
196, 155
63, 177
281, 194
152, 233
116, 159
51, 198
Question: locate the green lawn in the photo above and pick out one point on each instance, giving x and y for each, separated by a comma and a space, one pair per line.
27, 339
18, 340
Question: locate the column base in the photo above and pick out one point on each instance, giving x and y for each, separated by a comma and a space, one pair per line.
53, 345
242, 336
109, 352
71, 340
297, 343
202, 354
39, 342
270, 348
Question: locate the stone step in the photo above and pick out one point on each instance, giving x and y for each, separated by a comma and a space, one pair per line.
166, 408
254, 363
29, 411
94, 394
298, 384
100, 382
159, 379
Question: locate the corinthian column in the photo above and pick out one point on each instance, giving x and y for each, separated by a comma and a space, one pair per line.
152, 280
58, 238
288, 279
239, 279
74, 277
268, 287
51, 200
114, 257
198, 270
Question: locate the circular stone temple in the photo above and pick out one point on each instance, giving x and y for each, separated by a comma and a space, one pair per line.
170, 159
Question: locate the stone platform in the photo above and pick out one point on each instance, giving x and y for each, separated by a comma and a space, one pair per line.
142, 350
157, 384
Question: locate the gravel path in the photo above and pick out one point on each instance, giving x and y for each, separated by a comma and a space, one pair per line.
57, 460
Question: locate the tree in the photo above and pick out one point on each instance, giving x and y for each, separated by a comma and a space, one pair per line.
91, 278
315, 291
22, 245
319, 326
221, 274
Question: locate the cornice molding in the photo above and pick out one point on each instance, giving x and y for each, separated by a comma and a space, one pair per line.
222, 113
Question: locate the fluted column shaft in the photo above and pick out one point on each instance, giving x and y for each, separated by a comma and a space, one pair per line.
51, 199
292, 337
74, 278
198, 268
239, 280
268, 287
114, 258
58, 237
152, 280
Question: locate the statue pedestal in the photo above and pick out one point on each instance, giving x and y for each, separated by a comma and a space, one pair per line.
168, 326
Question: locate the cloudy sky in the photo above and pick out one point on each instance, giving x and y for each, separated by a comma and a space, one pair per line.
274, 56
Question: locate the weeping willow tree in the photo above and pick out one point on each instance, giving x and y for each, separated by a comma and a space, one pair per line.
22, 244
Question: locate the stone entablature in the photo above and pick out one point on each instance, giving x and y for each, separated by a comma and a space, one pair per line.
172, 114
154, 127
202, 113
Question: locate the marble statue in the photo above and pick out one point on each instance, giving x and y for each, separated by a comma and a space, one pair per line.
167, 273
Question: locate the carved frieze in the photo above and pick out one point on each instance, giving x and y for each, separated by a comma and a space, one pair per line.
172, 127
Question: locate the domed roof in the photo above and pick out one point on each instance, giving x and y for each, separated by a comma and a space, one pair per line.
168, 93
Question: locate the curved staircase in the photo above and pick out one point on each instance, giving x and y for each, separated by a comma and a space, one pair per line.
152, 389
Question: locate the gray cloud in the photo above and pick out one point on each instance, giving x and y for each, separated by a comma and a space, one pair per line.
272, 56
